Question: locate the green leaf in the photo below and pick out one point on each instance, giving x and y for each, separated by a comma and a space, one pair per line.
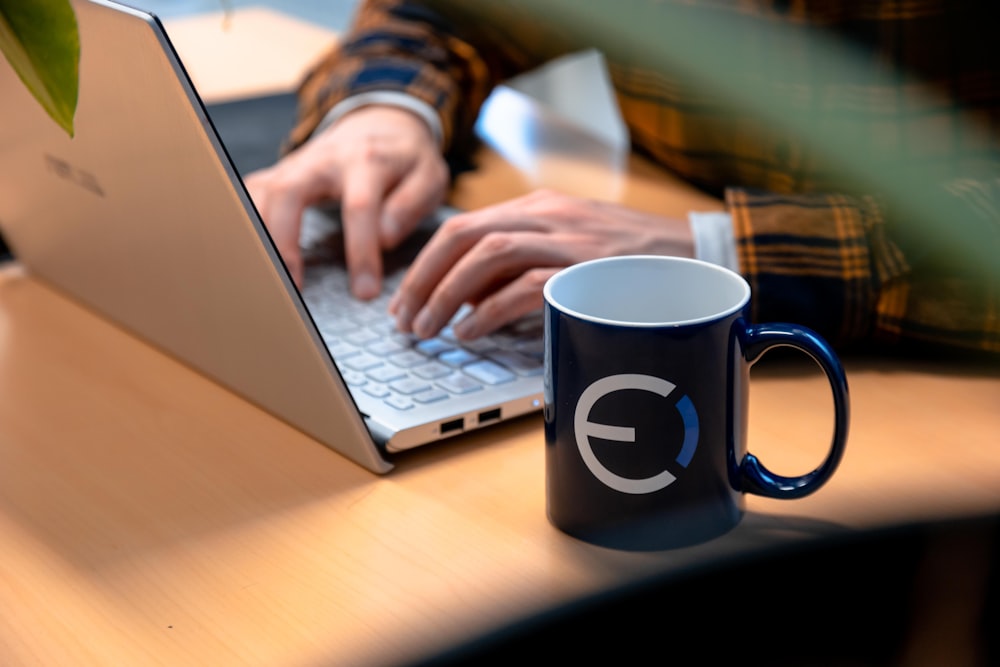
41, 42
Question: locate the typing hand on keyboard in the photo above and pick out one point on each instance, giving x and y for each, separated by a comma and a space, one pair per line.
403, 370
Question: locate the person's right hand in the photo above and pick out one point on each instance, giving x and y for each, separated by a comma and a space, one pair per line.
381, 163
498, 258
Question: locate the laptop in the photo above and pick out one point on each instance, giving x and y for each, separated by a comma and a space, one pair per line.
143, 218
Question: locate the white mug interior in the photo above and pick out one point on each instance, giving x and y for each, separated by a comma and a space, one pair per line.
647, 290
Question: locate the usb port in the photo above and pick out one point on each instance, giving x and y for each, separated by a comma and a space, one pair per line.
452, 426
489, 415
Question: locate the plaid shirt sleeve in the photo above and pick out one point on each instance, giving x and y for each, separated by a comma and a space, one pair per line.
401, 46
828, 261
817, 248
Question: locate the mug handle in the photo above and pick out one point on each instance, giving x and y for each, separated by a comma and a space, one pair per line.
756, 478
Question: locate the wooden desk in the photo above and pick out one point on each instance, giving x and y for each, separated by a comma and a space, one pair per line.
149, 516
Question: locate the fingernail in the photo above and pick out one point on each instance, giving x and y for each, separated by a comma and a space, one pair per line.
404, 318
364, 286
423, 324
468, 327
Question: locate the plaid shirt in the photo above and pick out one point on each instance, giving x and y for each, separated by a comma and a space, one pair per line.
854, 143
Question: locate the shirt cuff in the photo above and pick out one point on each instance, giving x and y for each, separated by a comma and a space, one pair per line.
714, 240
387, 98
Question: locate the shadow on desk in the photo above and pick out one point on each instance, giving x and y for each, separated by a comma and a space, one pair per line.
920, 594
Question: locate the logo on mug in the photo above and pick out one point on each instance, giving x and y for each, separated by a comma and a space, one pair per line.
585, 429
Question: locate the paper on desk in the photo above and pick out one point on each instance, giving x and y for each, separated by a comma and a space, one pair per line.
577, 87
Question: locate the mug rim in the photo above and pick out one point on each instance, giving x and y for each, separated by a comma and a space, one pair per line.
719, 315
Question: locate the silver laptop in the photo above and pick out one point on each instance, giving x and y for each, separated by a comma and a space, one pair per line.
142, 217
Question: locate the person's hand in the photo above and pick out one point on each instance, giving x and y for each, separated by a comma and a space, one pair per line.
384, 167
497, 259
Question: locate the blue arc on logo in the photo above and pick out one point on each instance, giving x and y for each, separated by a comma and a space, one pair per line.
690, 417
585, 429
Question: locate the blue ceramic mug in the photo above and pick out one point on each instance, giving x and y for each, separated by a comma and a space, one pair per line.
647, 364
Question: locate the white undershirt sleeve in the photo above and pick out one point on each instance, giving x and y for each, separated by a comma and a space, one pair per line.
714, 240
388, 98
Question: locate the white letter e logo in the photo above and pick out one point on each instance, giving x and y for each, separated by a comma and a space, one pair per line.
585, 429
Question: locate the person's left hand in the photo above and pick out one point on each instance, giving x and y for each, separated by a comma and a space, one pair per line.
498, 258
384, 167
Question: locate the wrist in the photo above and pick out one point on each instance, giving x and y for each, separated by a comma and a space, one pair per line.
416, 106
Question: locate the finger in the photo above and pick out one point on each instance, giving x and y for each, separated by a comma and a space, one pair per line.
496, 259
416, 196
452, 240
286, 214
360, 210
511, 302
281, 197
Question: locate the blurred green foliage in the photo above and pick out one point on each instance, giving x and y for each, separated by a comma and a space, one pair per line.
41, 42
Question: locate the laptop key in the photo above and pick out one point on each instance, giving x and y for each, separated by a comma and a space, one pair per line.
479, 345
431, 370
432, 347
362, 362
338, 326
377, 390
430, 395
407, 358
399, 402
521, 364
341, 350
367, 315
361, 337
488, 372
386, 373
386, 346
409, 385
354, 378
458, 357
457, 383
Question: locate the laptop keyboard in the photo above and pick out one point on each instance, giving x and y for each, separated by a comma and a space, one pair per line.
402, 370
